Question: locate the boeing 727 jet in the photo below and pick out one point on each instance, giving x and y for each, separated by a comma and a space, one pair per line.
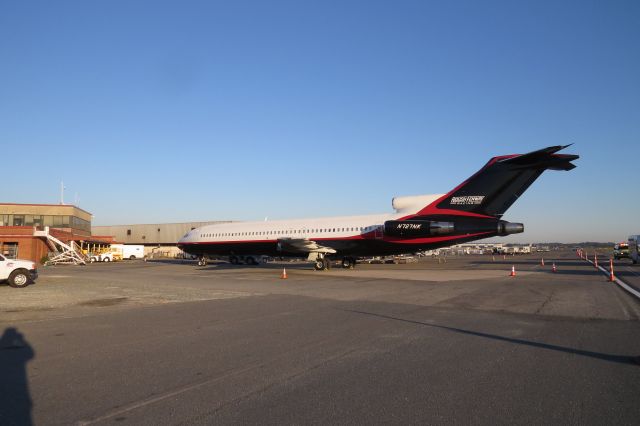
471, 211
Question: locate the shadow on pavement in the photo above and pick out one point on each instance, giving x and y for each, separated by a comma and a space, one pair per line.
597, 355
15, 400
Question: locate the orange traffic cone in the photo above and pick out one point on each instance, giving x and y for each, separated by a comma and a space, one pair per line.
542, 261
513, 271
612, 278
284, 274
553, 268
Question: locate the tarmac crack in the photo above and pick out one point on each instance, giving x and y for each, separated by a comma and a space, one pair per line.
198, 385
547, 300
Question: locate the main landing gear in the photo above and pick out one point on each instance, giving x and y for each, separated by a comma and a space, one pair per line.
324, 263
202, 261
349, 262
248, 259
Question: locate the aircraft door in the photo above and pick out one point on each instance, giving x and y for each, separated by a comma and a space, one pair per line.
377, 233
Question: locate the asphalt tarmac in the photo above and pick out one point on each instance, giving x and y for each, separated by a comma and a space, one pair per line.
459, 342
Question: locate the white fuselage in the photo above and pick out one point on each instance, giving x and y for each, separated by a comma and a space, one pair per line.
313, 229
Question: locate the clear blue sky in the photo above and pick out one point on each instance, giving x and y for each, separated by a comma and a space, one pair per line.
155, 111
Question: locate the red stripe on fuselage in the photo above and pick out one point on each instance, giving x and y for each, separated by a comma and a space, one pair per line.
364, 237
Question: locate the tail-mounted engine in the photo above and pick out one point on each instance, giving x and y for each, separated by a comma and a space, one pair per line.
415, 228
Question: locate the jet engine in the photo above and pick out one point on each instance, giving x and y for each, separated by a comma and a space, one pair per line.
417, 228
422, 228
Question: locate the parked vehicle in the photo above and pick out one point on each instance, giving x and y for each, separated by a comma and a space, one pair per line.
107, 256
129, 251
18, 273
620, 251
404, 259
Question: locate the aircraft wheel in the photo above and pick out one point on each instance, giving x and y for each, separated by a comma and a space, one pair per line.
318, 265
233, 260
348, 262
327, 263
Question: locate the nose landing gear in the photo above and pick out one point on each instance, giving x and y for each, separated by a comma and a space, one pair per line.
202, 261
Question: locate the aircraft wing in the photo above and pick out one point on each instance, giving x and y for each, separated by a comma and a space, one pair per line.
302, 245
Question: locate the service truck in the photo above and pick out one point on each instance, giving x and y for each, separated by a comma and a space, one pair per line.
110, 255
18, 273
620, 250
129, 251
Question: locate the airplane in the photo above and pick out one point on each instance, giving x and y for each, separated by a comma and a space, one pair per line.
471, 211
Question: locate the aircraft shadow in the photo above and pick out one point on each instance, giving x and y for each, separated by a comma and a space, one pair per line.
274, 266
547, 263
15, 400
621, 359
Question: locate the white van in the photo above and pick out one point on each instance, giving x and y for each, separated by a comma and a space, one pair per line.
129, 251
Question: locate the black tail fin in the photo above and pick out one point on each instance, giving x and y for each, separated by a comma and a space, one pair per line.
495, 187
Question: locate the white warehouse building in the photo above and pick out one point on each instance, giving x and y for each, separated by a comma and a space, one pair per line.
157, 238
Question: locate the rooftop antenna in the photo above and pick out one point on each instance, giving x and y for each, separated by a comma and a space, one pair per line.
61, 192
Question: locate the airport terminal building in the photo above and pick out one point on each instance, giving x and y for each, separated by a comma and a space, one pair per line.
19, 223
21, 227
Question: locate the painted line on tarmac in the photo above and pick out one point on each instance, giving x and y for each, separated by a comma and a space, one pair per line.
628, 268
619, 282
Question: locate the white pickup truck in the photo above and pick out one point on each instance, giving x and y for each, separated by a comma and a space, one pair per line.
19, 273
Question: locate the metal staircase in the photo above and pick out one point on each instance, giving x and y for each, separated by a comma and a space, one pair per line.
62, 253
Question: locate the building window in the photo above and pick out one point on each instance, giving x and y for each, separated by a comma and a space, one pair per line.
128, 231
9, 250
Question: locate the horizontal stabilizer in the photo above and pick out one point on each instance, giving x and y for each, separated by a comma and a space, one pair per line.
544, 159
